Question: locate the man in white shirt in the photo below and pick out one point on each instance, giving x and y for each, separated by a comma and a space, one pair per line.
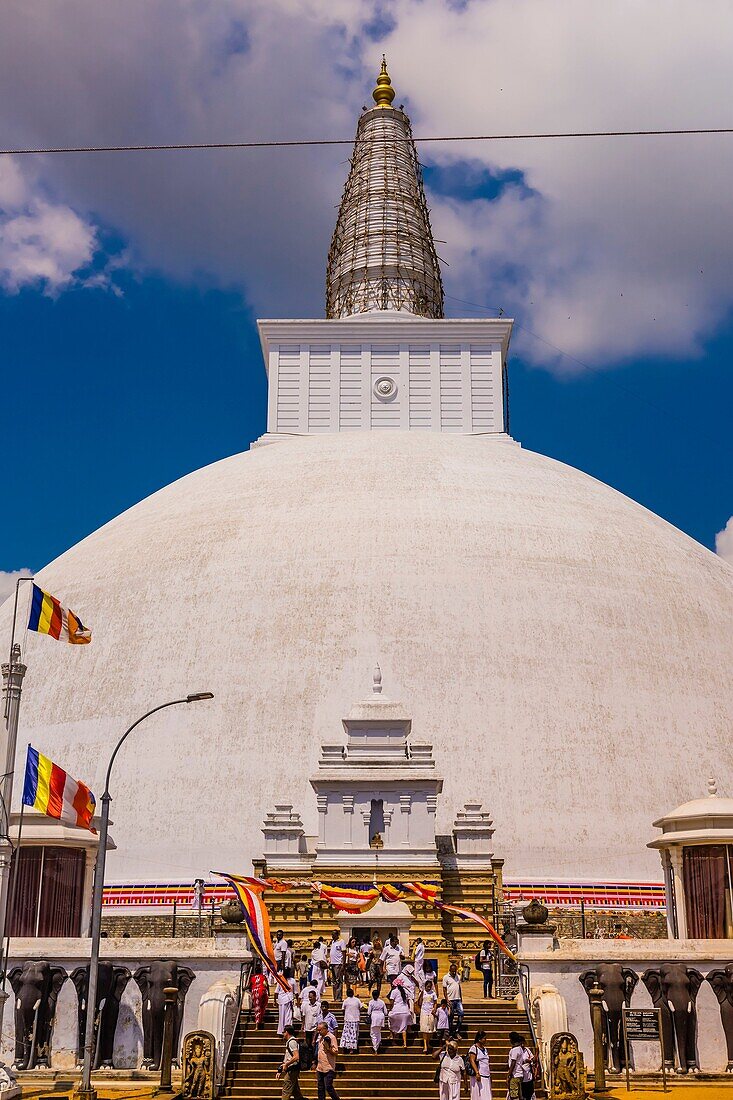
392, 957
312, 1016
336, 960
279, 948
454, 997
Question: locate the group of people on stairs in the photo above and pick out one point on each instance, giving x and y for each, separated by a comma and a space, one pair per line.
453, 1072
412, 998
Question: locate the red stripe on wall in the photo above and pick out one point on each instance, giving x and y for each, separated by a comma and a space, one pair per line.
56, 791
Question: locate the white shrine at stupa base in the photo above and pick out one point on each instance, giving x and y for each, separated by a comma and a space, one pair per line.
555, 660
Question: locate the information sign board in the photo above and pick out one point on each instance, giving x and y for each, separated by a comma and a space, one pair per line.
643, 1025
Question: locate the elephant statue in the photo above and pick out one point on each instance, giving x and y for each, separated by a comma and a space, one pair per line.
152, 980
36, 986
722, 983
111, 982
617, 983
674, 987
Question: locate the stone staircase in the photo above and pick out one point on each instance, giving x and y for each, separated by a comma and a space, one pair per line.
393, 1074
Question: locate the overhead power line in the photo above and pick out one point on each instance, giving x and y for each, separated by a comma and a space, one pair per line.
350, 141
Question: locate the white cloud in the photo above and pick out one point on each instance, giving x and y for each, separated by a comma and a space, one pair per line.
42, 243
8, 580
622, 248
724, 542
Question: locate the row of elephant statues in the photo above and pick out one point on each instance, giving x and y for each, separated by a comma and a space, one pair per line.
673, 988
36, 985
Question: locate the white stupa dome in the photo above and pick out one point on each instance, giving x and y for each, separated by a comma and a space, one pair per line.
566, 651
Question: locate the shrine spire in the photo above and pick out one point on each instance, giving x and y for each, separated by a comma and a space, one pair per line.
382, 255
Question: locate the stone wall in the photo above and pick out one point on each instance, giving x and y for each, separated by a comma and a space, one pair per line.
211, 960
155, 925
562, 967
643, 924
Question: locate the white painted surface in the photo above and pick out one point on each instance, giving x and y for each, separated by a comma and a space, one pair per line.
212, 961
385, 372
522, 612
377, 763
218, 1011
562, 968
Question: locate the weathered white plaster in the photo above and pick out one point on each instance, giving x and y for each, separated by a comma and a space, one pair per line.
218, 1011
377, 763
212, 960
561, 968
524, 613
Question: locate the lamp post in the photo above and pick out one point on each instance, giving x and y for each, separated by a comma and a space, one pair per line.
85, 1091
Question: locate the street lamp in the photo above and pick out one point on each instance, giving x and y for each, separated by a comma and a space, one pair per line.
85, 1090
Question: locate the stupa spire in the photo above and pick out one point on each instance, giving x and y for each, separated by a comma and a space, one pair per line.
384, 93
382, 254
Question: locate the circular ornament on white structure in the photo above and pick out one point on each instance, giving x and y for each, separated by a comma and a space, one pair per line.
385, 388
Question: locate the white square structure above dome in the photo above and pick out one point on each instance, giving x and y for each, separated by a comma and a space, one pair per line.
386, 371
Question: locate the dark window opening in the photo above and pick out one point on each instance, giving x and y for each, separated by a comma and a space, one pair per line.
46, 892
376, 819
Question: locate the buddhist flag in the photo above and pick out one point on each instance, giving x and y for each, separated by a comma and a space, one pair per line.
49, 617
468, 914
348, 899
256, 919
52, 791
396, 891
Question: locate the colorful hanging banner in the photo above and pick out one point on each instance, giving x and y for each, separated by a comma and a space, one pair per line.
345, 899
256, 919
468, 914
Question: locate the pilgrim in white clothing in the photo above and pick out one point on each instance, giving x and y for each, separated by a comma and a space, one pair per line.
377, 1012
285, 1009
481, 1082
352, 1007
400, 1015
427, 1011
392, 957
451, 1070
420, 963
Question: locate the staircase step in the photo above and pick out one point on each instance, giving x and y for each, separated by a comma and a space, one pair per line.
394, 1073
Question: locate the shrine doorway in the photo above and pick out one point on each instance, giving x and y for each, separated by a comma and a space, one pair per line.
386, 918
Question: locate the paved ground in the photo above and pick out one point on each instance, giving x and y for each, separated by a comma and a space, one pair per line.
701, 1090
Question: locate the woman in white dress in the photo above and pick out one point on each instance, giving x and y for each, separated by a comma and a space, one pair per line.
352, 1007
400, 1014
428, 1008
285, 1000
452, 1073
478, 1056
377, 1013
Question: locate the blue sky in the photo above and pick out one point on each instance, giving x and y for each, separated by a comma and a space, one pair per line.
129, 285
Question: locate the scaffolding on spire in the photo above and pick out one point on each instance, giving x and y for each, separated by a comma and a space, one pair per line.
382, 255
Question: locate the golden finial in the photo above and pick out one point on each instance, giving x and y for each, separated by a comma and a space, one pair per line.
384, 93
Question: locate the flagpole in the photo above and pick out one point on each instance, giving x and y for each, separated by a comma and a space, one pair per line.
85, 1090
13, 673
5, 950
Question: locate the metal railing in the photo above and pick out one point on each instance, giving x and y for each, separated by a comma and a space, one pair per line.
525, 986
245, 973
